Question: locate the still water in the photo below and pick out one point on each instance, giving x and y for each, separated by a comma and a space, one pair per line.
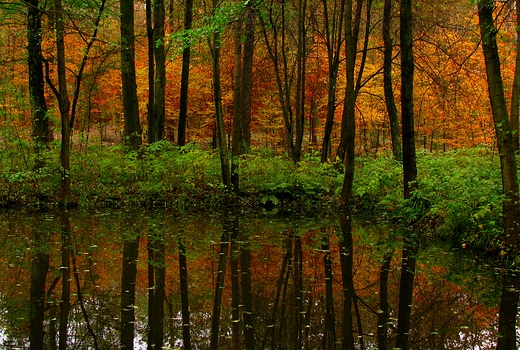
150, 279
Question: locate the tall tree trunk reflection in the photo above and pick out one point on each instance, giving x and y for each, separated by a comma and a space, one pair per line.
219, 286
39, 269
183, 276
346, 259
508, 312
128, 279
156, 282
65, 277
235, 288
329, 334
247, 295
382, 317
298, 292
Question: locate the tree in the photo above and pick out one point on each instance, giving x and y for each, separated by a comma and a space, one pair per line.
511, 205
387, 81
156, 128
409, 172
515, 93
186, 53
333, 27
40, 123
132, 125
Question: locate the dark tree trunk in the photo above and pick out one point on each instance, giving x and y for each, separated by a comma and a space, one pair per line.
301, 60
409, 173
387, 82
333, 41
237, 104
160, 70
183, 277
214, 46
40, 124
159, 296
151, 71
235, 288
511, 215
502, 126
128, 279
39, 269
185, 75
515, 98
132, 127
151, 291
247, 74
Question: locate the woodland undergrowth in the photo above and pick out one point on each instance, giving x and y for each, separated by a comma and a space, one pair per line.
458, 193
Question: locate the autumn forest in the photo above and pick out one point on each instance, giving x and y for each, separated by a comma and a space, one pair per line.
349, 164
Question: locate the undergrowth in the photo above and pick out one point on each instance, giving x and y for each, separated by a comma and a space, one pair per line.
458, 193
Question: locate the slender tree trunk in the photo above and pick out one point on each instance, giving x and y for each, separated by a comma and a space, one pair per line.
40, 123
128, 280
409, 174
387, 82
247, 74
235, 288
237, 104
151, 71
301, 59
186, 52
132, 127
214, 46
511, 215
334, 41
183, 277
160, 70
515, 94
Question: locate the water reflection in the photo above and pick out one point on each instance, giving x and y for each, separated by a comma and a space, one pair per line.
120, 279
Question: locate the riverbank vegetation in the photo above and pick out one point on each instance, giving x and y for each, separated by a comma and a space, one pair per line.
458, 193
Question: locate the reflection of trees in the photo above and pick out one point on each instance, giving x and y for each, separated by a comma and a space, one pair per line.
295, 276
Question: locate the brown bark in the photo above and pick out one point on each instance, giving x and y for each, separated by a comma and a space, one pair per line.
151, 71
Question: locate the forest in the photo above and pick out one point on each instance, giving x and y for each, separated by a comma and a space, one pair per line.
151, 112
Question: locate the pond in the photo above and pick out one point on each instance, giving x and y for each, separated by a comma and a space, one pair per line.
145, 279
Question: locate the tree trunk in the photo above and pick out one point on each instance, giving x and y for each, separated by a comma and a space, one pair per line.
247, 74
214, 47
132, 127
186, 52
409, 173
509, 299
65, 278
515, 94
41, 132
387, 82
160, 70
237, 104
329, 334
151, 71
